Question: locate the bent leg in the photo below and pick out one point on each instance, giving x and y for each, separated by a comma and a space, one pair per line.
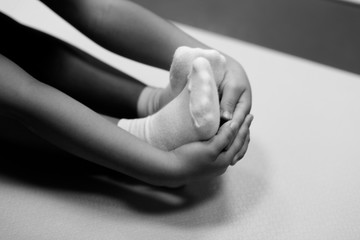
85, 78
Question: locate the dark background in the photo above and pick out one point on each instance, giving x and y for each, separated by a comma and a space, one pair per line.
325, 31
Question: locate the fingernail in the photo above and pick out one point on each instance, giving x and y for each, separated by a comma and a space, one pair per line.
227, 115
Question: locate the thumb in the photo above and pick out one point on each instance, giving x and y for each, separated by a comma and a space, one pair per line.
225, 135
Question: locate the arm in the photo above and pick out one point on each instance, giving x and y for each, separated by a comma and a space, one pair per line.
70, 70
77, 129
134, 32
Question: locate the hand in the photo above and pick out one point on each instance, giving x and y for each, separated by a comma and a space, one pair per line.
211, 158
242, 139
235, 103
234, 87
233, 83
235, 92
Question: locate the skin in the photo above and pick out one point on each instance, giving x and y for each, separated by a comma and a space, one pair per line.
57, 91
106, 22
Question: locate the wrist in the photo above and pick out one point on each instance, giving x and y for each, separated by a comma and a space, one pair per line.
176, 176
163, 170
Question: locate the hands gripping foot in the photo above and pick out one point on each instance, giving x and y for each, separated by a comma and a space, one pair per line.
153, 99
193, 112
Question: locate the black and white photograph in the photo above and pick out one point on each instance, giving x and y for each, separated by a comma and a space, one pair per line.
179, 120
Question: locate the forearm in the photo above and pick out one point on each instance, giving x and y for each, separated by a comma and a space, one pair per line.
77, 129
126, 29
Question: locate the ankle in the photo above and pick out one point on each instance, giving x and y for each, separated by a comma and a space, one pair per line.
149, 101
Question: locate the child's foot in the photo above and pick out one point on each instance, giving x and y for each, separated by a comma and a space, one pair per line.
153, 99
192, 115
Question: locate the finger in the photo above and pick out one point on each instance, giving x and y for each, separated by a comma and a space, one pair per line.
243, 150
237, 145
240, 139
243, 142
241, 111
230, 97
225, 135
243, 107
245, 124
236, 127
221, 172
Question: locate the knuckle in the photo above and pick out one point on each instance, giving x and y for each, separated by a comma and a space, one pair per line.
236, 86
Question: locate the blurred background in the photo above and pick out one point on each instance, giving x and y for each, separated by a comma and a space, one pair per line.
324, 31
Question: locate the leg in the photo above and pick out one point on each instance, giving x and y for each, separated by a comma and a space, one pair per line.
192, 116
70, 70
